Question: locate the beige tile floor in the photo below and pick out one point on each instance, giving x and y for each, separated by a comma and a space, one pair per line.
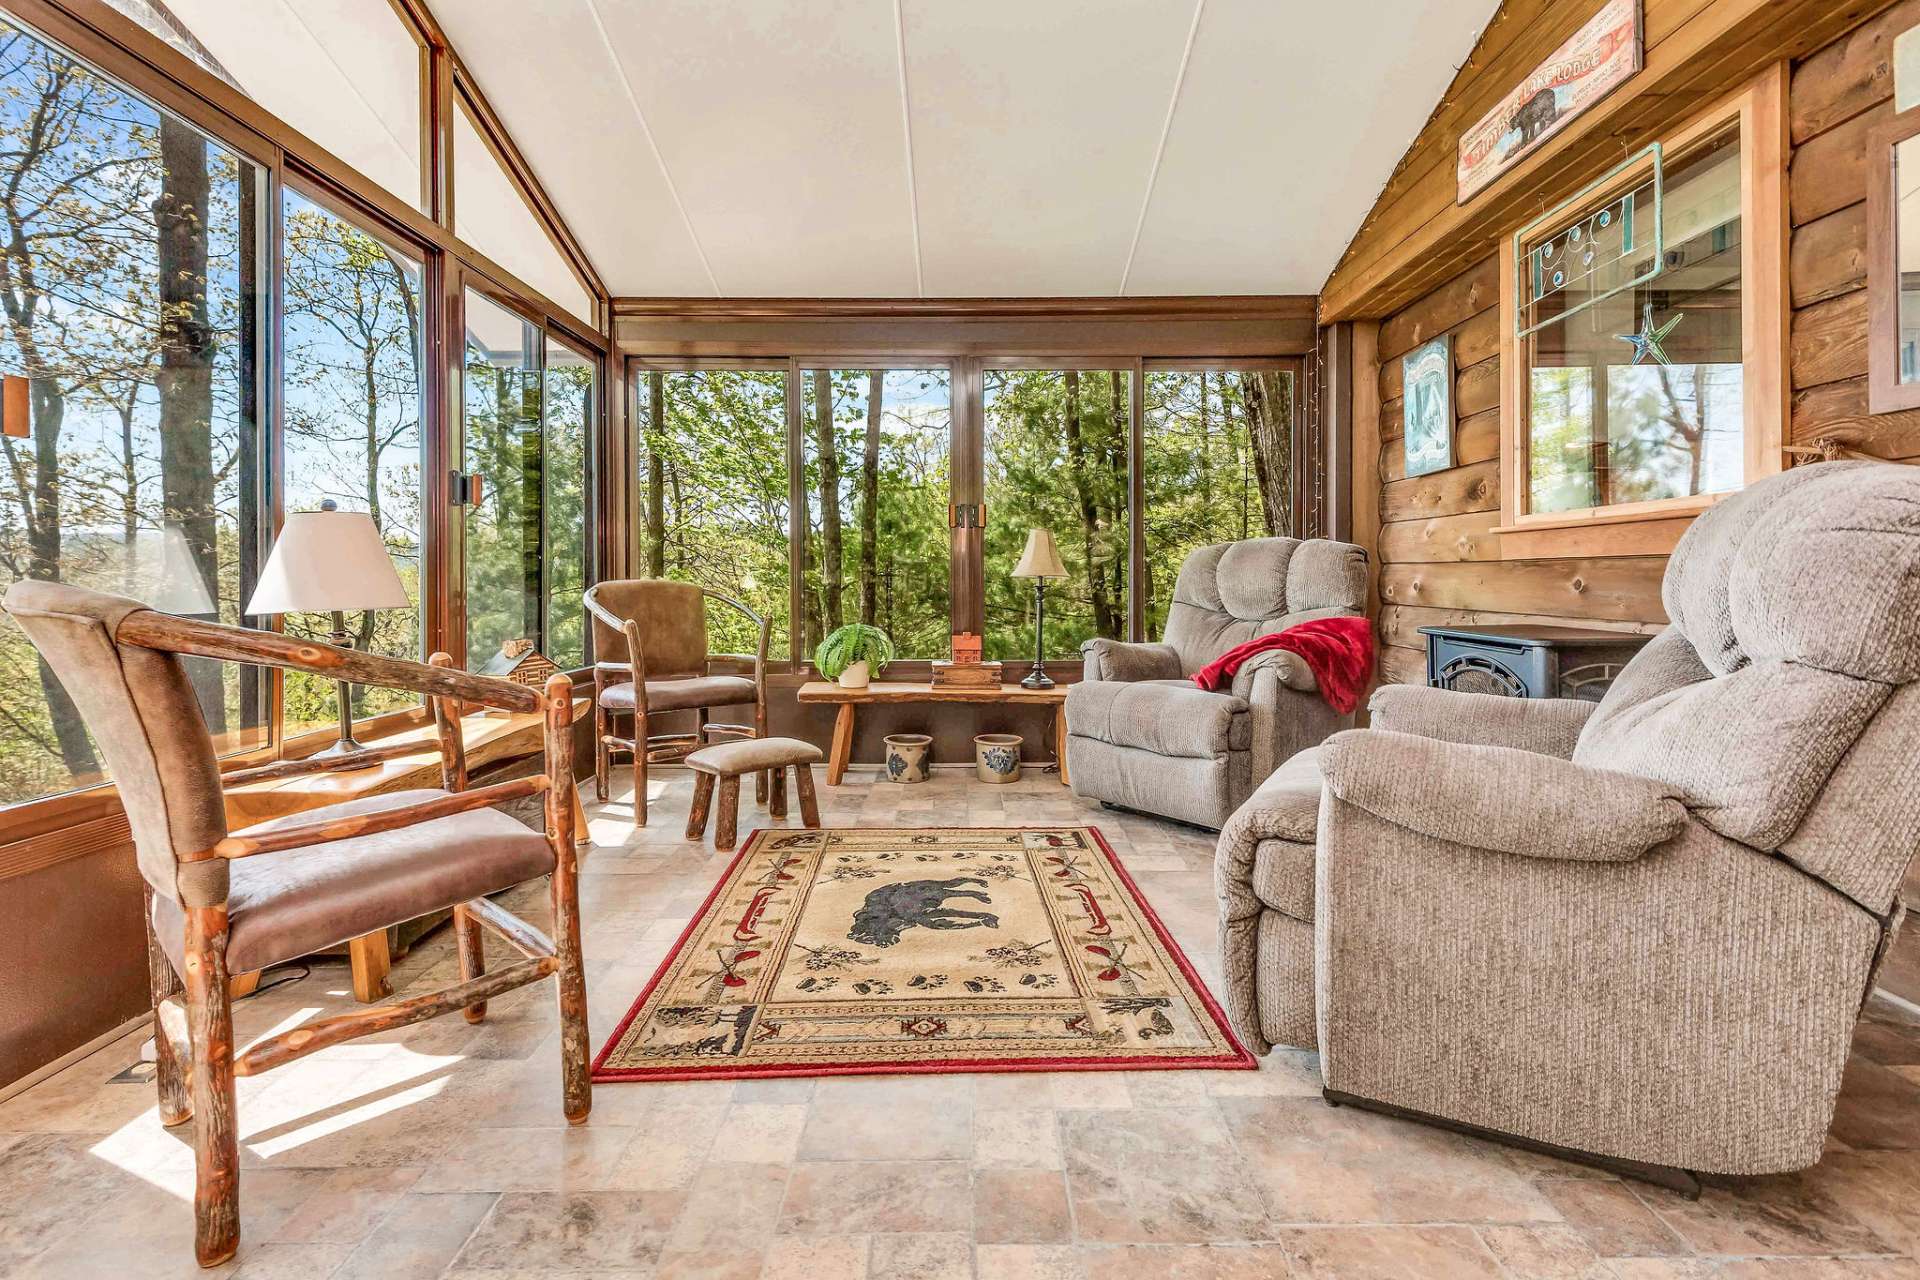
439, 1150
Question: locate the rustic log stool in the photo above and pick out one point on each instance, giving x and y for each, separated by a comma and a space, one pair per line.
726, 761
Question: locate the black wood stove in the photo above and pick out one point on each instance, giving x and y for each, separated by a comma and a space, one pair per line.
1526, 661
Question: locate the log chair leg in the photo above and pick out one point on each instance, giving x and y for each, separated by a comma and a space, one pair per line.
639, 769
576, 1081
761, 780
777, 794
216, 1137
169, 1073
473, 955
371, 959
602, 753
726, 824
702, 801
809, 805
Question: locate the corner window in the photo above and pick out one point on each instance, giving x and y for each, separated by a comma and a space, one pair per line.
1644, 329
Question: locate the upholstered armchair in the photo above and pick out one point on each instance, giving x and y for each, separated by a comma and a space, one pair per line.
659, 629
1141, 735
1640, 930
223, 902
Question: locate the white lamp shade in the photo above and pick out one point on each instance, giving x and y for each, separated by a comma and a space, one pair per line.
1041, 559
326, 560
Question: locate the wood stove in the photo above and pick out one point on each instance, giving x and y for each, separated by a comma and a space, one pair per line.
1527, 661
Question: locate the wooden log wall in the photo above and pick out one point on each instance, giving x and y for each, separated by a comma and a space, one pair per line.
1838, 96
1439, 559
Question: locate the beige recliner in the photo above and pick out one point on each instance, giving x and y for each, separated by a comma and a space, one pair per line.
1142, 735
1641, 929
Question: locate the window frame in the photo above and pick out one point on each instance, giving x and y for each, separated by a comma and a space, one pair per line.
1654, 527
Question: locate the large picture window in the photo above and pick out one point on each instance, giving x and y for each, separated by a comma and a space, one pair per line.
877, 443
1056, 459
131, 305
351, 424
713, 491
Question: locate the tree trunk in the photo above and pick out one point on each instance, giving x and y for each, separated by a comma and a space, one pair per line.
1206, 454
870, 500
185, 379
656, 475
832, 570
1088, 503
43, 562
1270, 432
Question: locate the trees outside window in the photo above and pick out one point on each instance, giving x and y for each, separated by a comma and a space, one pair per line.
1217, 468
130, 287
877, 445
571, 409
351, 424
713, 491
1056, 458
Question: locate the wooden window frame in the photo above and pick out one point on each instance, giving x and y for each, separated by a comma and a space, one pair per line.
1886, 393
1655, 527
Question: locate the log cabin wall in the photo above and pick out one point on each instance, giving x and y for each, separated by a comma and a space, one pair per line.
1439, 562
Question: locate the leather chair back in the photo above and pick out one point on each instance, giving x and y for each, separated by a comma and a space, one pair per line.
672, 617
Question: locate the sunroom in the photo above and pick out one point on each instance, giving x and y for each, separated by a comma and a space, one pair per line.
892, 639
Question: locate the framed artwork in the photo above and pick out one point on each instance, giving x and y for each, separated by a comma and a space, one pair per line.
1426, 406
1592, 63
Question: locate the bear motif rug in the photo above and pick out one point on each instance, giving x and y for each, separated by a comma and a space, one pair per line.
857, 950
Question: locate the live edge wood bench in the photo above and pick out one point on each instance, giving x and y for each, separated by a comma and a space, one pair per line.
724, 762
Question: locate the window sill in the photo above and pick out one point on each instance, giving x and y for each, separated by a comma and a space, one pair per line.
1645, 529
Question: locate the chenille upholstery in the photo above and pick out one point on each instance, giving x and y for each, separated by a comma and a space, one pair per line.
1642, 929
1141, 735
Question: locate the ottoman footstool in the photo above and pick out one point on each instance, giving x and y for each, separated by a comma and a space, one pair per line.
722, 764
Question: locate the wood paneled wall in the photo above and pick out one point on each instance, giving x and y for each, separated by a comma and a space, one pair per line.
1838, 96
1439, 561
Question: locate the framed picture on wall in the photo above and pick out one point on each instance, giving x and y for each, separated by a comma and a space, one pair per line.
1426, 406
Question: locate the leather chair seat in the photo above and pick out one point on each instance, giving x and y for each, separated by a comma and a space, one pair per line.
748, 755
299, 901
685, 694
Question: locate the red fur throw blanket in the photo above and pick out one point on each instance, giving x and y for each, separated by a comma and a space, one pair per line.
1339, 652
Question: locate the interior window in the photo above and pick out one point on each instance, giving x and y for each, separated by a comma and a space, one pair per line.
569, 408
501, 408
1639, 396
132, 314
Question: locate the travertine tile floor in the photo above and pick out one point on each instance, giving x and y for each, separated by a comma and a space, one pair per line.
439, 1150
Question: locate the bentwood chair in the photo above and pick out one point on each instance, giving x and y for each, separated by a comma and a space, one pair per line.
661, 628
225, 902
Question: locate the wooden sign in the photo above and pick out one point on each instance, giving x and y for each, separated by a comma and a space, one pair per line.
1595, 60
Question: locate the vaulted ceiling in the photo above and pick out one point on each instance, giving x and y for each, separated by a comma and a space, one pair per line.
941, 148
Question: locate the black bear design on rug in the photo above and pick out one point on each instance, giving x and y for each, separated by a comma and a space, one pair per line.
892, 909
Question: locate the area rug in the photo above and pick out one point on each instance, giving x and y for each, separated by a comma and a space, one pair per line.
863, 950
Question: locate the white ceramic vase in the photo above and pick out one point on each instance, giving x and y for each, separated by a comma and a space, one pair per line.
855, 676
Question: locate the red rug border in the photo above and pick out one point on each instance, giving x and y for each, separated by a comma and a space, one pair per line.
1239, 1060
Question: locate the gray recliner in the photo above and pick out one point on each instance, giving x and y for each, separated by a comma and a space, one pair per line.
1641, 929
1142, 735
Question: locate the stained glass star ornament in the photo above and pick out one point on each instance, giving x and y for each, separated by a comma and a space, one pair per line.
1647, 342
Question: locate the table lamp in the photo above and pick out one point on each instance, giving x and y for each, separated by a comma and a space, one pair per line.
330, 561
1041, 562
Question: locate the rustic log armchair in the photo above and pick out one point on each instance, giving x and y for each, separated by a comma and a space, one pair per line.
223, 902
658, 629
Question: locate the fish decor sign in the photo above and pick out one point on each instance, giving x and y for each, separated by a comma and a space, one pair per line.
1592, 63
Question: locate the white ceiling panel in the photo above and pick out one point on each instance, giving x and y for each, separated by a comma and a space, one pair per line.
1290, 118
1057, 147
544, 69
780, 122
1034, 129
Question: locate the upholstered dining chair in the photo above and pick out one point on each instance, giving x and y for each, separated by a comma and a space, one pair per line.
223, 902
650, 639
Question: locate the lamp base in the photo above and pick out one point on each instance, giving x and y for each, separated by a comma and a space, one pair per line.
342, 747
1037, 678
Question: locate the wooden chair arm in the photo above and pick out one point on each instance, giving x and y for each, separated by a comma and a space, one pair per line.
368, 824
163, 631
240, 777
